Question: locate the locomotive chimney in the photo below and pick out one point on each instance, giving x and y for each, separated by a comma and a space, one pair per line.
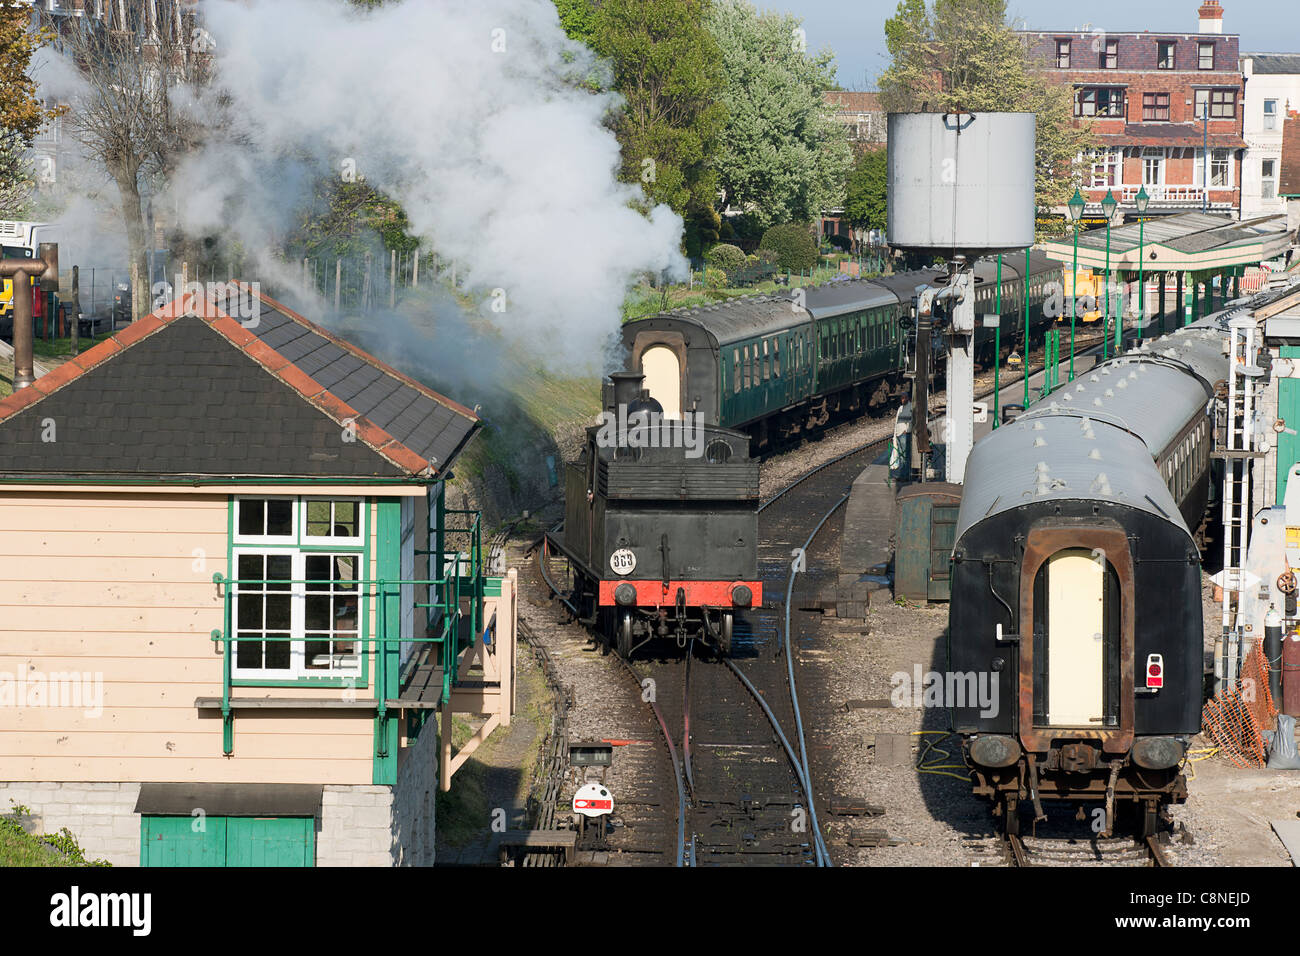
21, 272
1211, 17
627, 387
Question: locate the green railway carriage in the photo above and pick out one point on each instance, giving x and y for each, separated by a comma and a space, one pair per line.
773, 365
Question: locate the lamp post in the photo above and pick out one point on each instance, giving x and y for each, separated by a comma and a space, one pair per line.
1075, 206
1141, 200
1108, 206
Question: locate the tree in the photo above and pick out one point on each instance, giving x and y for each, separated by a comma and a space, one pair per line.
124, 115
783, 155
793, 243
21, 112
964, 57
866, 199
665, 66
578, 18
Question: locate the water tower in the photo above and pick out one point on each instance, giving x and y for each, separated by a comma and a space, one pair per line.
961, 186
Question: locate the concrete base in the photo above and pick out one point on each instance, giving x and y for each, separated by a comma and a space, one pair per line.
358, 825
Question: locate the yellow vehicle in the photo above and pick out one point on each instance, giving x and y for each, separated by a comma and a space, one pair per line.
18, 240
1091, 287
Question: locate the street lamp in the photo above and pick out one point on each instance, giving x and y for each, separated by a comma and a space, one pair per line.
1141, 200
1075, 205
1108, 206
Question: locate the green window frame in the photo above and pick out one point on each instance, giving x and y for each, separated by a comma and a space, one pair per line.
328, 622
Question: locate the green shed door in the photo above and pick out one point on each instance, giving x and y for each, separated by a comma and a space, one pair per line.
273, 841
228, 841
173, 841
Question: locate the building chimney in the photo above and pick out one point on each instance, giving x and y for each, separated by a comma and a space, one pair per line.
1211, 15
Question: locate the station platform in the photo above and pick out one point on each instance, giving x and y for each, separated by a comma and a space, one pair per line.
867, 544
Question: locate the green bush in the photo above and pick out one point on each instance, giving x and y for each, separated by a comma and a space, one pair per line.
725, 256
843, 243
769, 256
715, 278
794, 246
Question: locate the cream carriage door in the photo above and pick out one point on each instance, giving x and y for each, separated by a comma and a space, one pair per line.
1076, 582
663, 377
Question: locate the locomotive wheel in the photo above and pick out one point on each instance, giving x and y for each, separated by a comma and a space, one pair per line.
1011, 816
1150, 819
724, 633
623, 637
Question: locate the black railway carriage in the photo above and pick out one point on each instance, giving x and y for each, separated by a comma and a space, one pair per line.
782, 363
1076, 585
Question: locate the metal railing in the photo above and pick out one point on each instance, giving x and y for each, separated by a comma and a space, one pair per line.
462, 579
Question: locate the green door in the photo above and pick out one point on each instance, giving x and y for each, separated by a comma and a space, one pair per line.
270, 841
227, 841
182, 841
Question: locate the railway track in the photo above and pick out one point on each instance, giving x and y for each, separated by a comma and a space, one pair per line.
1022, 851
728, 785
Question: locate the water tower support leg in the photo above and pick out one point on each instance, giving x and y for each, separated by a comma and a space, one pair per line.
960, 419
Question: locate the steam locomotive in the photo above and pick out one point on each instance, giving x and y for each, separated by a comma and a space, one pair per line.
661, 524
661, 513
1074, 545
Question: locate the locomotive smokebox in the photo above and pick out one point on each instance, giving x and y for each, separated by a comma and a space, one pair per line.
961, 183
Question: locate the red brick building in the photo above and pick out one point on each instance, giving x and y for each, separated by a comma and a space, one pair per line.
862, 117
1156, 101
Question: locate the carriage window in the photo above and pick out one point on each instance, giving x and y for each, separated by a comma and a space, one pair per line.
735, 370
776, 358
767, 362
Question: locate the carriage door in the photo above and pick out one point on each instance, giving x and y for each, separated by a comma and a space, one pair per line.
1076, 623
663, 377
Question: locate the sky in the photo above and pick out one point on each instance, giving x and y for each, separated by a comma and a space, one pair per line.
855, 29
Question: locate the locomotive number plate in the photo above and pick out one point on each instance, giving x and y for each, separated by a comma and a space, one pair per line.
622, 561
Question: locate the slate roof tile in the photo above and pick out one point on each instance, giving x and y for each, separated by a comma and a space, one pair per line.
190, 391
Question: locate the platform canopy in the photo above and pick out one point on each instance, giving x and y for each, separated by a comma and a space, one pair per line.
1191, 242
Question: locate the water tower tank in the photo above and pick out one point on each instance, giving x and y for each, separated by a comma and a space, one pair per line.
961, 183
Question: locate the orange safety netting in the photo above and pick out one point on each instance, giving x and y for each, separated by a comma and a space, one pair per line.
1237, 718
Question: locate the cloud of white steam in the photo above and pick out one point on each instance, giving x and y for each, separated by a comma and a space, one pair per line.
462, 110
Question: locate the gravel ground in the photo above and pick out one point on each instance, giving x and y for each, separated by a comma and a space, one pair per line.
935, 818
605, 705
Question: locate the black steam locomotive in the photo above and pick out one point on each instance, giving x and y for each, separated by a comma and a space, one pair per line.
661, 524
1076, 585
